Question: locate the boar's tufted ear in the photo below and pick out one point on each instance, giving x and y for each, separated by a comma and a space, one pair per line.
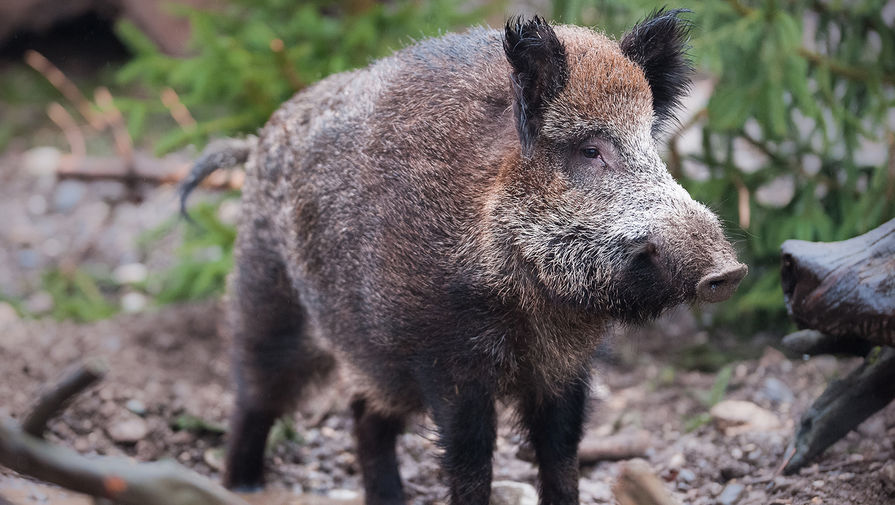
540, 72
659, 45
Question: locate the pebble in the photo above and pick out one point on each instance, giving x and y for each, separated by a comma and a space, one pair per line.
676, 461
133, 302
686, 475
8, 314
68, 194
42, 161
129, 431
731, 494
130, 273
135, 406
36, 205
887, 475
505, 492
28, 258
342, 494
39, 303
736, 416
777, 391
214, 458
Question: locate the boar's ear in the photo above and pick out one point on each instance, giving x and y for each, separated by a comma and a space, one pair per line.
540, 72
659, 45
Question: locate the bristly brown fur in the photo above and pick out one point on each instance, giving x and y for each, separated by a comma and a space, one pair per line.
454, 224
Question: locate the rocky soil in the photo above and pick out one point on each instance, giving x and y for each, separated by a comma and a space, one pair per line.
168, 392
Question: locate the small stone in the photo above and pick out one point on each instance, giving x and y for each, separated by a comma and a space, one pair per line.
214, 458
505, 492
677, 460
68, 194
42, 161
887, 475
39, 303
228, 211
731, 494
818, 483
36, 205
130, 273
686, 475
129, 431
777, 391
133, 302
28, 258
135, 406
342, 494
8, 314
734, 417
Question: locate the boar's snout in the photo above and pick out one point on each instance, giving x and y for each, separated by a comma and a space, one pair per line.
720, 285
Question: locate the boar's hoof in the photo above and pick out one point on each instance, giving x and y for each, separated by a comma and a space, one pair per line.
719, 286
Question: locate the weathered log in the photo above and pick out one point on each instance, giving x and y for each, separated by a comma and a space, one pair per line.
843, 288
843, 293
843, 406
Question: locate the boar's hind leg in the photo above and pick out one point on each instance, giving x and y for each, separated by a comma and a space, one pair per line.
376, 436
272, 359
554, 425
467, 426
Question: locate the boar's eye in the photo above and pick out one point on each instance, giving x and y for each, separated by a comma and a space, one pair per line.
593, 153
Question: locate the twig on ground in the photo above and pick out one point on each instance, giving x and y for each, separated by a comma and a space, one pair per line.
65, 86
614, 448
122, 480
73, 134
178, 110
55, 398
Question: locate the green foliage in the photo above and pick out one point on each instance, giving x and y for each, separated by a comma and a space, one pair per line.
283, 431
251, 56
710, 398
203, 260
802, 89
77, 296
197, 425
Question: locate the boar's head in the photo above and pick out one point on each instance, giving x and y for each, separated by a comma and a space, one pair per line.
585, 210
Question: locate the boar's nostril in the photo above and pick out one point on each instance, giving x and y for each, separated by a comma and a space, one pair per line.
718, 287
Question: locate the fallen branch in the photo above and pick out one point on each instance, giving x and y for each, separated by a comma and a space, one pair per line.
843, 406
65, 86
118, 479
614, 448
145, 169
54, 399
121, 480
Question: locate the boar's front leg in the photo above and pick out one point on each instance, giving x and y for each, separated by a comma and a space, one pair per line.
555, 425
376, 435
467, 425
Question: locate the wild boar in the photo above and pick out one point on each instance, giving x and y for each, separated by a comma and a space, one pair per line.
456, 224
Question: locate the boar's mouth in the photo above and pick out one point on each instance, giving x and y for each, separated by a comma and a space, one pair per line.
647, 288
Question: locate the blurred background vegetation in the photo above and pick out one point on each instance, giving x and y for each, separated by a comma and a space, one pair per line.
789, 133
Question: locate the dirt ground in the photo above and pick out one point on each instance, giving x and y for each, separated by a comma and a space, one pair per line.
168, 391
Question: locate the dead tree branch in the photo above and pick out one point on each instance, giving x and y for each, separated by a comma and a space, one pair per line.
54, 399
121, 480
843, 406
